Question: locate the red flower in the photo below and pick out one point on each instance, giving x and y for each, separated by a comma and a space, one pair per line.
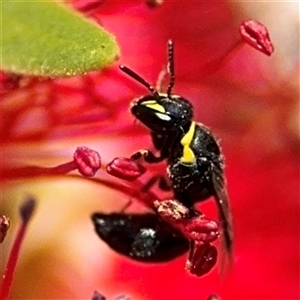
250, 102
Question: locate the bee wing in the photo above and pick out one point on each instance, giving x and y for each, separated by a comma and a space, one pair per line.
141, 237
221, 197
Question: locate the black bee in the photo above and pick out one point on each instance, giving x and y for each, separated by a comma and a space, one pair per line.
195, 169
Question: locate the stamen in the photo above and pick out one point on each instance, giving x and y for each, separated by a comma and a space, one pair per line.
203, 259
199, 230
253, 33
257, 36
125, 168
26, 211
86, 161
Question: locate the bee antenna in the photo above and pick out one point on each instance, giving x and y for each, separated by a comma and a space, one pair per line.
170, 67
140, 80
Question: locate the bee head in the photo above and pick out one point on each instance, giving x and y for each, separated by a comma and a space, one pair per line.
162, 113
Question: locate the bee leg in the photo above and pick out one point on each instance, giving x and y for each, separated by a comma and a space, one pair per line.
162, 183
148, 185
127, 205
147, 156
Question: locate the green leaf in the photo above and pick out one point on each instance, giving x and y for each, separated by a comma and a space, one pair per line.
50, 39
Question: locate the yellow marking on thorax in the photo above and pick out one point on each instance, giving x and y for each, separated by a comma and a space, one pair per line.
188, 155
154, 105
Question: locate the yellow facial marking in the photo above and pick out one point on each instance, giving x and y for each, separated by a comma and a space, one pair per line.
154, 105
188, 155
